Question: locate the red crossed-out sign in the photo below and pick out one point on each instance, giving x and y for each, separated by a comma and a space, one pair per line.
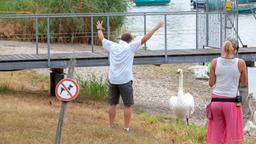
67, 90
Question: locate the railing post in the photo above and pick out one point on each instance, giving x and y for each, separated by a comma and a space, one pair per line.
165, 37
207, 28
221, 38
48, 41
236, 17
108, 28
92, 38
108, 33
225, 29
37, 35
196, 29
145, 29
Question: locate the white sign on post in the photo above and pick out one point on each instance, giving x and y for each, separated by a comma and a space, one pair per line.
252, 81
67, 90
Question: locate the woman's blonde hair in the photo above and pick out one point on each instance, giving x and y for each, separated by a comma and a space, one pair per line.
228, 47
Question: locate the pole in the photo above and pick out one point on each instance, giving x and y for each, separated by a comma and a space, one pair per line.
108, 28
60, 127
92, 39
37, 35
145, 29
61, 122
165, 38
197, 28
48, 41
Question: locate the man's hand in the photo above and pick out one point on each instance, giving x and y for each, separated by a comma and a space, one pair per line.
159, 25
99, 25
100, 28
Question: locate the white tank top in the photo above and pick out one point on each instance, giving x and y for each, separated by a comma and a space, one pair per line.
227, 77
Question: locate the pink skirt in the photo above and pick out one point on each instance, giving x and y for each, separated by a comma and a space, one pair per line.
226, 125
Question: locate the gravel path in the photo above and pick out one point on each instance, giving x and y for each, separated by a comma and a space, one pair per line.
154, 85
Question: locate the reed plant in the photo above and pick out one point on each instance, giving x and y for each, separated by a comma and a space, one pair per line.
63, 29
94, 88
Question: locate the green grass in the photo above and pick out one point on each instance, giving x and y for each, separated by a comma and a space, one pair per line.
192, 133
95, 88
5, 88
151, 119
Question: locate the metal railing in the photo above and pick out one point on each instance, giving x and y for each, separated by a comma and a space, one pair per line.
92, 16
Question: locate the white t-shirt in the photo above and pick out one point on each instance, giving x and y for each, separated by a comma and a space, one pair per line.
121, 57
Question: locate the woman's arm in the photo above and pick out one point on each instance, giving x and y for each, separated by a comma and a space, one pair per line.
212, 78
242, 69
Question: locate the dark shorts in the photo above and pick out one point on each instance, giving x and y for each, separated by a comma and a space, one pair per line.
125, 90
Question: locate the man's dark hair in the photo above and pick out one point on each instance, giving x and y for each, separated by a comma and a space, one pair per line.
127, 37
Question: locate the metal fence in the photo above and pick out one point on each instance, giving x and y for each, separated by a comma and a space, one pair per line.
211, 27
214, 28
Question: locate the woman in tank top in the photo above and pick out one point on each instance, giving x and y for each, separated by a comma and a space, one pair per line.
225, 125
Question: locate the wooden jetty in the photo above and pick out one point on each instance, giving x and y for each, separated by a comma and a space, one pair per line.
100, 58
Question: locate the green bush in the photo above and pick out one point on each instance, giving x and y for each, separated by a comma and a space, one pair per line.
5, 88
94, 88
63, 29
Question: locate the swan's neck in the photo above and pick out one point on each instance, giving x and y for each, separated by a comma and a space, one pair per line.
180, 89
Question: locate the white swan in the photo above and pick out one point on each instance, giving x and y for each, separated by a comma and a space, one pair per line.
183, 105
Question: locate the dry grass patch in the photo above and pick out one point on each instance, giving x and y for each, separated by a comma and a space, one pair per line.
29, 116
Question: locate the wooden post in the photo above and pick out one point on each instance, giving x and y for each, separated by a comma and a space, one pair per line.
61, 122
71, 69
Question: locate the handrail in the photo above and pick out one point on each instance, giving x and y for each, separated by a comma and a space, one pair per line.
66, 15
49, 17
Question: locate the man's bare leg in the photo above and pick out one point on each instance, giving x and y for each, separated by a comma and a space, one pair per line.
127, 116
112, 114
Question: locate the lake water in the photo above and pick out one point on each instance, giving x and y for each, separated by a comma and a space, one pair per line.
181, 29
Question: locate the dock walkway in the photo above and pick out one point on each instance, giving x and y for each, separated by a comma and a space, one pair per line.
100, 58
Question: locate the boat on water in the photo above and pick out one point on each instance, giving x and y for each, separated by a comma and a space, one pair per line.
151, 2
244, 6
247, 6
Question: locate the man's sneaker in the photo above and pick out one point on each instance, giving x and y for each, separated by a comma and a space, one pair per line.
127, 130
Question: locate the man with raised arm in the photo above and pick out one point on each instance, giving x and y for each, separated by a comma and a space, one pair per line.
120, 76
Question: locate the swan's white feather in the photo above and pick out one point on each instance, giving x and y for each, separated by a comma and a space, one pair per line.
182, 105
